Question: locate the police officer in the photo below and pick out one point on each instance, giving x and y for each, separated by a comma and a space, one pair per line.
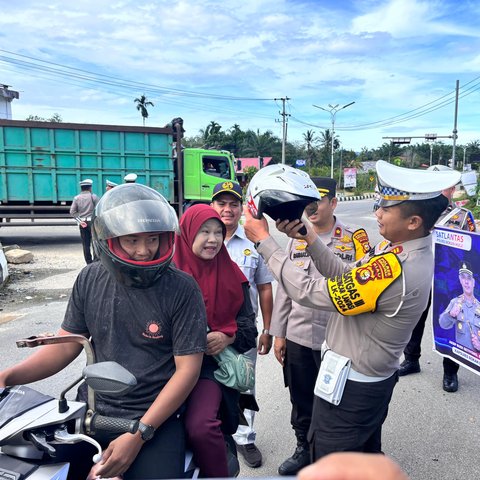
463, 312
130, 178
375, 302
300, 331
82, 209
109, 185
227, 201
459, 218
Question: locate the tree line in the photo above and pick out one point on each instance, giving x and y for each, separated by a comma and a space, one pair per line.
315, 148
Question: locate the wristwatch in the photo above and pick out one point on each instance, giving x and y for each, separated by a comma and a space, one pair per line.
146, 431
265, 331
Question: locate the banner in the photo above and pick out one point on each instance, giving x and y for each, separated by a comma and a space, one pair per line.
349, 177
455, 302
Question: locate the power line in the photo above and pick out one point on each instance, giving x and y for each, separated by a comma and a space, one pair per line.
64, 70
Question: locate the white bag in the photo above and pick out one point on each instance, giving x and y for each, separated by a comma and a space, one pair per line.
332, 377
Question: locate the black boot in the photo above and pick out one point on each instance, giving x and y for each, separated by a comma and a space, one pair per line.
408, 366
300, 459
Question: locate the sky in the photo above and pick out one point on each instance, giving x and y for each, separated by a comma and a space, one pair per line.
233, 62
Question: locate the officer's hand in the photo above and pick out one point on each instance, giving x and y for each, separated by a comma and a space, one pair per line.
279, 349
457, 308
353, 466
291, 228
264, 343
255, 229
83, 224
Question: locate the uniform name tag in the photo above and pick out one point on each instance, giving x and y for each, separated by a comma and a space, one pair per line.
358, 290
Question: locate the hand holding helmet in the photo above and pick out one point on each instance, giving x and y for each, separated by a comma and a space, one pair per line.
282, 192
256, 229
296, 229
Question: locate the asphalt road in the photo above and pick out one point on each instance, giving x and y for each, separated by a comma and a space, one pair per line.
430, 433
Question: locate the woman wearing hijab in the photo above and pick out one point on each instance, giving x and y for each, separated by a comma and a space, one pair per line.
212, 408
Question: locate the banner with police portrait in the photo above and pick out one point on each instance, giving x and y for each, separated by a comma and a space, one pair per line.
456, 296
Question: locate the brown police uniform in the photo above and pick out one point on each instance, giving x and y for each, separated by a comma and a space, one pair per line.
304, 327
373, 340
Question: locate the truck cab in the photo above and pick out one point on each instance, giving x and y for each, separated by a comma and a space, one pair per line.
203, 169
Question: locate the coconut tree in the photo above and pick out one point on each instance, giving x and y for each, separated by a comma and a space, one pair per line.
142, 106
309, 137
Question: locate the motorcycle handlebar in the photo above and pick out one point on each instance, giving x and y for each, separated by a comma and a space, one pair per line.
100, 423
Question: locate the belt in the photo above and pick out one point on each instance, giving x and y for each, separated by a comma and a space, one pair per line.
355, 376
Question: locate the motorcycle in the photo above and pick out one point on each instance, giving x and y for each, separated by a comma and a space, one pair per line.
33, 426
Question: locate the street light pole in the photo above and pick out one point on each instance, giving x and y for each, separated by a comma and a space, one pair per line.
333, 112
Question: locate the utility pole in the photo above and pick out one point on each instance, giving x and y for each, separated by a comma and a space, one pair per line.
284, 124
333, 112
455, 123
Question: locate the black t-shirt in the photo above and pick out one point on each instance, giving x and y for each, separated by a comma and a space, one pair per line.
141, 329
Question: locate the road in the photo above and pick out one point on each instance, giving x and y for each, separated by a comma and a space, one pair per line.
430, 433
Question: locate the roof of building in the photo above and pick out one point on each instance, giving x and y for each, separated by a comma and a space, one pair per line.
251, 162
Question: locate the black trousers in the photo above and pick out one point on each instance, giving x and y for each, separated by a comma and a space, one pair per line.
300, 371
355, 425
86, 236
413, 349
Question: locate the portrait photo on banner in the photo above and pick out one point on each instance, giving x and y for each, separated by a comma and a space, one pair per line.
456, 296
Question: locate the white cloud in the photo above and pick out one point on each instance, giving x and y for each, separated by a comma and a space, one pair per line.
388, 56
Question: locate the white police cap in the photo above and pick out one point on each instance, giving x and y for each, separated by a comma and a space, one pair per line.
130, 177
398, 184
109, 183
87, 181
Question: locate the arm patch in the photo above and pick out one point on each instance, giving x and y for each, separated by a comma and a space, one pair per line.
361, 242
358, 290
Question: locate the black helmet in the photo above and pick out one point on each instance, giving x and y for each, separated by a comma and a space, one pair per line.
129, 209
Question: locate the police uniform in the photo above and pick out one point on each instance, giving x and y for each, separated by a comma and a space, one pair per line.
82, 209
304, 331
374, 307
467, 322
242, 251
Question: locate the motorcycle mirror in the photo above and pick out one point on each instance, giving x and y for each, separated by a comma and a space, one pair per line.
108, 378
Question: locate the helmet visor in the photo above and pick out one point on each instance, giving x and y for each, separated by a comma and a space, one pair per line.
141, 216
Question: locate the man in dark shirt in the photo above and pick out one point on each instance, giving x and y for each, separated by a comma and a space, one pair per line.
142, 313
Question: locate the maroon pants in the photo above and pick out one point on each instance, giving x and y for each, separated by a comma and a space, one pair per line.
203, 429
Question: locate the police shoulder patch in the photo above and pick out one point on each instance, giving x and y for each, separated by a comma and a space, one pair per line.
361, 243
358, 290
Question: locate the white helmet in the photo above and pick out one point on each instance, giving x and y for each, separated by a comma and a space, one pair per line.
439, 168
280, 191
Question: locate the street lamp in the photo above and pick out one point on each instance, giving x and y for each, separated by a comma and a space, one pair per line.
333, 111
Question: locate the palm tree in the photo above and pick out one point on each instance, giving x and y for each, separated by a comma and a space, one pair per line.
212, 134
259, 144
309, 137
142, 106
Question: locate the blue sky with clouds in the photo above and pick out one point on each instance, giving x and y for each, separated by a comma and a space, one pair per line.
228, 61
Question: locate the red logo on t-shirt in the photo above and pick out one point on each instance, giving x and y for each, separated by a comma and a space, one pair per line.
153, 330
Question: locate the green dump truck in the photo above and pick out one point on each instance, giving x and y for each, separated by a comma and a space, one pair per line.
42, 163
